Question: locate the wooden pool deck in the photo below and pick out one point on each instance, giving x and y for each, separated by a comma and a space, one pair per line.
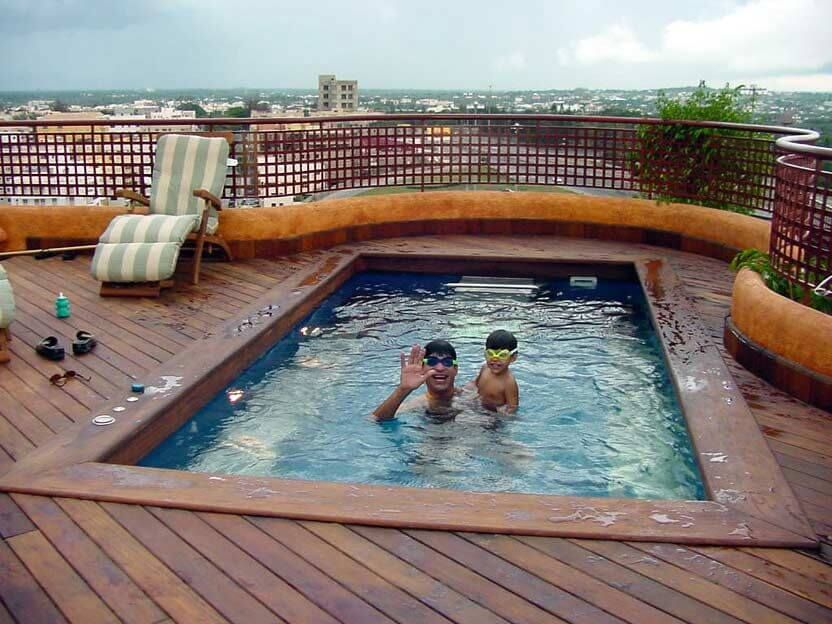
65, 559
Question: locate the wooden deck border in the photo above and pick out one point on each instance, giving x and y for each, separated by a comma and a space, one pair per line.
752, 504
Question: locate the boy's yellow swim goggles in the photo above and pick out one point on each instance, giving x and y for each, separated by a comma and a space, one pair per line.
499, 354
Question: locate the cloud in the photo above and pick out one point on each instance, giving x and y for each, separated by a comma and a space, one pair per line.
617, 44
795, 82
22, 17
760, 36
515, 61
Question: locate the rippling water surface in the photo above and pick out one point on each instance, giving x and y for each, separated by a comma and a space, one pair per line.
597, 417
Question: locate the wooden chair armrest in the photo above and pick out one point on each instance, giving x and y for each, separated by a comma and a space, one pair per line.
132, 196
208, 197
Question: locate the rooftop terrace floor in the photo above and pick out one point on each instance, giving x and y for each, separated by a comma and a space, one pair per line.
66, 559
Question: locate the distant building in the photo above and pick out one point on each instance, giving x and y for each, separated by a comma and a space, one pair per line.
337, 95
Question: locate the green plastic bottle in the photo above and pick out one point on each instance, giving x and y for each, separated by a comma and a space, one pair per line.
61, 306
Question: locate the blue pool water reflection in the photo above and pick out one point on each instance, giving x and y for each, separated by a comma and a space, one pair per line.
598, 415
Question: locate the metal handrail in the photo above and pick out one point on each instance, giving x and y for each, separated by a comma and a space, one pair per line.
796, 134
768, 170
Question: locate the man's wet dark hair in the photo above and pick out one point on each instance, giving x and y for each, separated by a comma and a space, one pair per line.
501, 339
440, 347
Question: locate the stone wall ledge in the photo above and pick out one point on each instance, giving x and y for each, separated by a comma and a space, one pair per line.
253, 231
784, 342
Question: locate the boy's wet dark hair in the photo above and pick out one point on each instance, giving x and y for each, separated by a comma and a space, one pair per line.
440, 347
501, 339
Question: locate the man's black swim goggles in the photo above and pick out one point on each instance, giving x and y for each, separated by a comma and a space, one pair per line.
433, 360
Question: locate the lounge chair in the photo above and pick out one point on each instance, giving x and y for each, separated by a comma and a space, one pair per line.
6, 314
137, 254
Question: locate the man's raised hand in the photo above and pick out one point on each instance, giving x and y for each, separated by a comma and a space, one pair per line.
413, 375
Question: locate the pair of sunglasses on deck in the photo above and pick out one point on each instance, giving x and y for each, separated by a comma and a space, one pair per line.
60, 379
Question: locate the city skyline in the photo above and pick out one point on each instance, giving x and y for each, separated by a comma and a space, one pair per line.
535, 45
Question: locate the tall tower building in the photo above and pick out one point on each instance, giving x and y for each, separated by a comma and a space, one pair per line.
337, 95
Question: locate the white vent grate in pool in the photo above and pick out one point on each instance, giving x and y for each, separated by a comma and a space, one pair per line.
506, 285
583, 281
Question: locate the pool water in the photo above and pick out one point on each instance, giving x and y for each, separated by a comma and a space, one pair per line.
598, 415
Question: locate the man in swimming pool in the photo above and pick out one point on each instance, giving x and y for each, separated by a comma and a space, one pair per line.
435, 366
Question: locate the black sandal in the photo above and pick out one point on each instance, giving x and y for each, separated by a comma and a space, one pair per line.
50, 349
84, 342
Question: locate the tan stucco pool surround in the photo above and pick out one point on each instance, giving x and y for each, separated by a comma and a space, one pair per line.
792, 331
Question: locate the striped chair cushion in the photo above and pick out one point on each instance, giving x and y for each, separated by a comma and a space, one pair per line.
135, 262
149, 229
184, 163
6, 300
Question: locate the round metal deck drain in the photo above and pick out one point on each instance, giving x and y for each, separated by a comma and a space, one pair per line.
132, 399
103, 419
119, 409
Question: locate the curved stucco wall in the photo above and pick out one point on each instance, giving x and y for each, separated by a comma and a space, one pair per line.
259, 224
791, 330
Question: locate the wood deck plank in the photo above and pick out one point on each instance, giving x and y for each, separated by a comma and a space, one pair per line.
85, 293
373, 587
773, 585
103, 378
226, 596
699, 587
450, 603
71, 594
110, 349
820, 519
105, 327
13, 442
712, 523
319, 588
23, 420
801, 439
125, 310
822, 501
21, 594
734, 578
811, 589
801, 480
229, 293
458, 577
514, 578
794, 561
574, 581
822, 460
32, 375
108, 580
55, 419
246, 571
639, 586
6, 461
13, 521
5, 616
817, 471
170, 592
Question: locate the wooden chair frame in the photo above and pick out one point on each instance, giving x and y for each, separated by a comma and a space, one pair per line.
5, 339
200, 238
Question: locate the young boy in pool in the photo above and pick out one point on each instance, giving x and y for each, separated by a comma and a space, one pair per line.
495, 383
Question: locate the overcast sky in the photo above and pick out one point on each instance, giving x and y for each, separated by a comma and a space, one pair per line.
421, 44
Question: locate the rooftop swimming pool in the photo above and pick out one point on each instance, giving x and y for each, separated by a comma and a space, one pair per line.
598, 413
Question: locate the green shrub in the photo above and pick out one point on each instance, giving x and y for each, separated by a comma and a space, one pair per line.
705, 166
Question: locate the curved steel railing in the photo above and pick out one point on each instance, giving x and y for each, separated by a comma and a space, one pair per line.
291, 156
764, 170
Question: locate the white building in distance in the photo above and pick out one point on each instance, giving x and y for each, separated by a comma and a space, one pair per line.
337, 95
